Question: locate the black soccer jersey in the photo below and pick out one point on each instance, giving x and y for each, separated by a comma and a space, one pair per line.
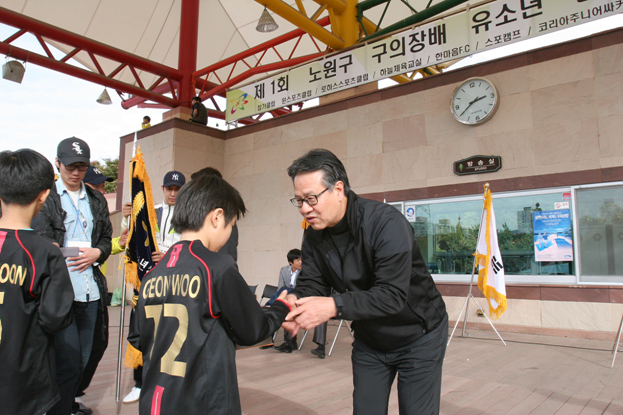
192, 307
36, 296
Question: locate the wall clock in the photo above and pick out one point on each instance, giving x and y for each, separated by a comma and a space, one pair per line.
475, 101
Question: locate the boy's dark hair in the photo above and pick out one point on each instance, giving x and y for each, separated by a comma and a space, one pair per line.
24, 174
208, 171
197, 98
147, 118
199, 197
321, 159
293, 255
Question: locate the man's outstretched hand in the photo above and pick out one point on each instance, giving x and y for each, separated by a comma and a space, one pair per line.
311, 312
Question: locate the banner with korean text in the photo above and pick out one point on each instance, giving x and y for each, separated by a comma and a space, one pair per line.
478, 29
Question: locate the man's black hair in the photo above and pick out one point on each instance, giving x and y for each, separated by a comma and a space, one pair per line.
24, 174
199, 197
208, 171
321, 159
148, 119
197, 98
293, 255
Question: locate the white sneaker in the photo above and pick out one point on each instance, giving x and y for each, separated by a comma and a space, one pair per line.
133, 396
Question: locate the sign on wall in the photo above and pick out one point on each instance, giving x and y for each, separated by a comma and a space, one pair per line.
482, 28
477, 164
552, 235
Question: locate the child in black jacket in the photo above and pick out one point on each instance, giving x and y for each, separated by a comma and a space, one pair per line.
36, 294
194, 305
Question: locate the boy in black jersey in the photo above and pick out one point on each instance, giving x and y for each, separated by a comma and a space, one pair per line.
36, 294
194, 305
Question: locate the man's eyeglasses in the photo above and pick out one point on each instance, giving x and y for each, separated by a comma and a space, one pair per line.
311, 200
72, 167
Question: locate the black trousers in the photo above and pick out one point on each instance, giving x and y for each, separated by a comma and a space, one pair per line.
320, 334
68, 368
418, 365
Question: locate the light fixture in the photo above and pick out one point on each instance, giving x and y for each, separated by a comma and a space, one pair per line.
104, 98
13, 71
266, 23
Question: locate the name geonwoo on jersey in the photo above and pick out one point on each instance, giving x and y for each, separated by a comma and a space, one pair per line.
178, 285
14, 274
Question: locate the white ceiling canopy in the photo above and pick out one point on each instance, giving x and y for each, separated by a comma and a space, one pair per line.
151, 29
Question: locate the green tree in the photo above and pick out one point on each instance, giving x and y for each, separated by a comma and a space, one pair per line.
110, 168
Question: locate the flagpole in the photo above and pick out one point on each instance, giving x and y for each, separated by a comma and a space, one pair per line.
120, 347
122, 318
470, 295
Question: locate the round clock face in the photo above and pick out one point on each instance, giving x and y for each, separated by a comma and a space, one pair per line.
474, 101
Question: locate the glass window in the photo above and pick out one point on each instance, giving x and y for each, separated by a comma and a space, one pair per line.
600, 217
446, 234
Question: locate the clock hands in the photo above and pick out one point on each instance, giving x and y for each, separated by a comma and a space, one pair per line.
470, 104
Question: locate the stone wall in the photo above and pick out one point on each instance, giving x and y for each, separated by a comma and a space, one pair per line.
559, 121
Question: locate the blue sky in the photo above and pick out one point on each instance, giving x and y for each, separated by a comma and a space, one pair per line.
49, 106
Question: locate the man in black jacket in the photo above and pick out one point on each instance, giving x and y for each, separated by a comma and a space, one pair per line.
76, 217
365, 250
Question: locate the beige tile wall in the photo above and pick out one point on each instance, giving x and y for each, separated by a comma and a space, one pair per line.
556, 116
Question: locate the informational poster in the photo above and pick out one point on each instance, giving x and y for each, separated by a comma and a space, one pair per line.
552, 235
478, 29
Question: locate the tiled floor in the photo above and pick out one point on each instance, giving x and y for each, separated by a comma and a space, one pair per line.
531, 375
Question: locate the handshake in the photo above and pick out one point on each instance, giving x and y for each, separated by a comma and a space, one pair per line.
307, 312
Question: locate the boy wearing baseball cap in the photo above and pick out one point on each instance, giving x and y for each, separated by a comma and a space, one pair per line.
96, 180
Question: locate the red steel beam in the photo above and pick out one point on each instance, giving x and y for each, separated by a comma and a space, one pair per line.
54, 33
77, 72
187, 56
166, 88
260, 69
257, 49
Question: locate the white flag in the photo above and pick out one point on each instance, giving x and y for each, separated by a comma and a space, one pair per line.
489, 260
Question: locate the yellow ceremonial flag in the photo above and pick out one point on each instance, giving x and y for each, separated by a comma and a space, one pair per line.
489, 261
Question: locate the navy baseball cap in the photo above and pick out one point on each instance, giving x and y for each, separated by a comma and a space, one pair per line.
174, 178
73, 150
94, 176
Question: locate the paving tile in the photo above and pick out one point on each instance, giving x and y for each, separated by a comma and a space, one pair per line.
531, 375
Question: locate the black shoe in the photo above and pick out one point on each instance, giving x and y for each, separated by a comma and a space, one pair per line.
319, 351
82, 410
268, 346
286, 349
281, 346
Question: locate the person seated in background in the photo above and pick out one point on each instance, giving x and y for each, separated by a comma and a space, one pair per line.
38, 296
206, 319
146, 122
199, 112
287, 282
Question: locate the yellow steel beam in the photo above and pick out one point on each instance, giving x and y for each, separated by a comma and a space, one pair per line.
401, 79
349, 30
337, 5
335, 24
299, 3
303, 22
318, 12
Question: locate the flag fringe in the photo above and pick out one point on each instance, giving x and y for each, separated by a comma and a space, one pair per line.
483, 260
131, 274
133, 357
